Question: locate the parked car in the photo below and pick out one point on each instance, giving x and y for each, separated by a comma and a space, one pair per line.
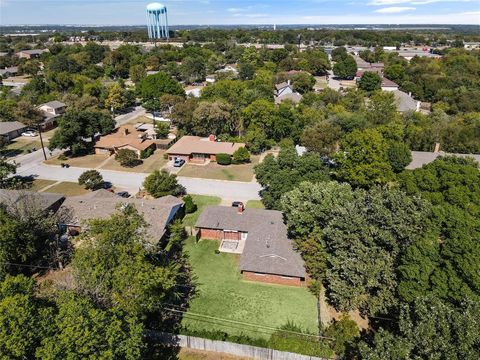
237, 204
178, 162
30, 133
123, 194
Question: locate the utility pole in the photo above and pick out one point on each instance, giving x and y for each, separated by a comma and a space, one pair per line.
41, 142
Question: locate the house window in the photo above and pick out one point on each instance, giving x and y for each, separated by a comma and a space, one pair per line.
198, 156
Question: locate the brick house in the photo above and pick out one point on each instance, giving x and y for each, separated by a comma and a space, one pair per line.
195, 149
260, 236
125, 137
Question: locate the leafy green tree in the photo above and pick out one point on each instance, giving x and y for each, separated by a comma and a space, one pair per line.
190, 206
213, 118
322, 138
162, 129
193, 69
370, 82
345, 67
303, 82
344, 331
399, 156
429, 329
77, 126
154, 86
161, 183
24, 322
127, 158
364, 159
116, 98
352, 239
117, 270
381, 108
91, 179
280, 175
84, 331
137, 73
241, 156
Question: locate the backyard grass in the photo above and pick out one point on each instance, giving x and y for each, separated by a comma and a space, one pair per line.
201, 201
87, 161
154, 162
255, 204
24, 144
222, 294
241, 172
39, 184
68, 189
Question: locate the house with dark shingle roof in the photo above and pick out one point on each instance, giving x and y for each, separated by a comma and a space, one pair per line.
10, 130
260, 236
101, 204
16, 199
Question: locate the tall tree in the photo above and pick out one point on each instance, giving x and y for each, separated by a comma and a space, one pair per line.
154, 86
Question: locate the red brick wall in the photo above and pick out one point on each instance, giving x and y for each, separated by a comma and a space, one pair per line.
271, 279
210, 234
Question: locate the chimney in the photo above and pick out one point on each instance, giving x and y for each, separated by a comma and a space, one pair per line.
125, 131
410, 93
240, 209
211, 138
288, 81
419, 104
437, 148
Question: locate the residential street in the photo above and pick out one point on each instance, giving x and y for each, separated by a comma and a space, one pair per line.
31, 164
124, 118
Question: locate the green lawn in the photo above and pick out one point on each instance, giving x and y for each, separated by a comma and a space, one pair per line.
255, 204
68, 189
240, 172
222, 294
201, 201
39, 184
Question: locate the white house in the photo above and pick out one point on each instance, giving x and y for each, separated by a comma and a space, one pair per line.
53, 108
284, 88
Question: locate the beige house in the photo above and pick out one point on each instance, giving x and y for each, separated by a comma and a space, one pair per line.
125, 137
200, 150
31, 54
53, 107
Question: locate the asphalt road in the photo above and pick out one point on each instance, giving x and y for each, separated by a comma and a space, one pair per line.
32, 165
124, 118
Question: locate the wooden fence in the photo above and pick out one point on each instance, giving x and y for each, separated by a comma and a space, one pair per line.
252, 352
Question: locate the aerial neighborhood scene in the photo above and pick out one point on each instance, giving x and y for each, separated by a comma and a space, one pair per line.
273, 180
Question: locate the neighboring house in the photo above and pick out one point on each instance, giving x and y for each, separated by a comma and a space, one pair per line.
101, 204
284, 88
51, 111
405, 102
210, 79
421, 158
53, 107
229, 68
8, 71
195, 149
284, 91
16, 199
125, 137
31, 54
260, 236
389, 85
10, 130
194, 91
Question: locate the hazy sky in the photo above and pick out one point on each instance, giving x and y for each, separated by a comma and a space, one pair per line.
182, 12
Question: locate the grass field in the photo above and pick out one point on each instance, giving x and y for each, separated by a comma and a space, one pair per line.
201, 201
154, 162
39, 184
222, 294
87, 161
254, 204
242, 172
68, 189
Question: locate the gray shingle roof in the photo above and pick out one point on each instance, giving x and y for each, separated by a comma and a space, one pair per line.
267, 248
294, 97
55, 104
44, 201
101, 204
9, 126
420, 158
404, 101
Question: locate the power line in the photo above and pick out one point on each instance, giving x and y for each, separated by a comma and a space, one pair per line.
245, 323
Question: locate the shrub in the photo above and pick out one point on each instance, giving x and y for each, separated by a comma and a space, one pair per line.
224, 159
161, 183
241, 156
91, 179
127, 158
190, 206
162, 129
144, 154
